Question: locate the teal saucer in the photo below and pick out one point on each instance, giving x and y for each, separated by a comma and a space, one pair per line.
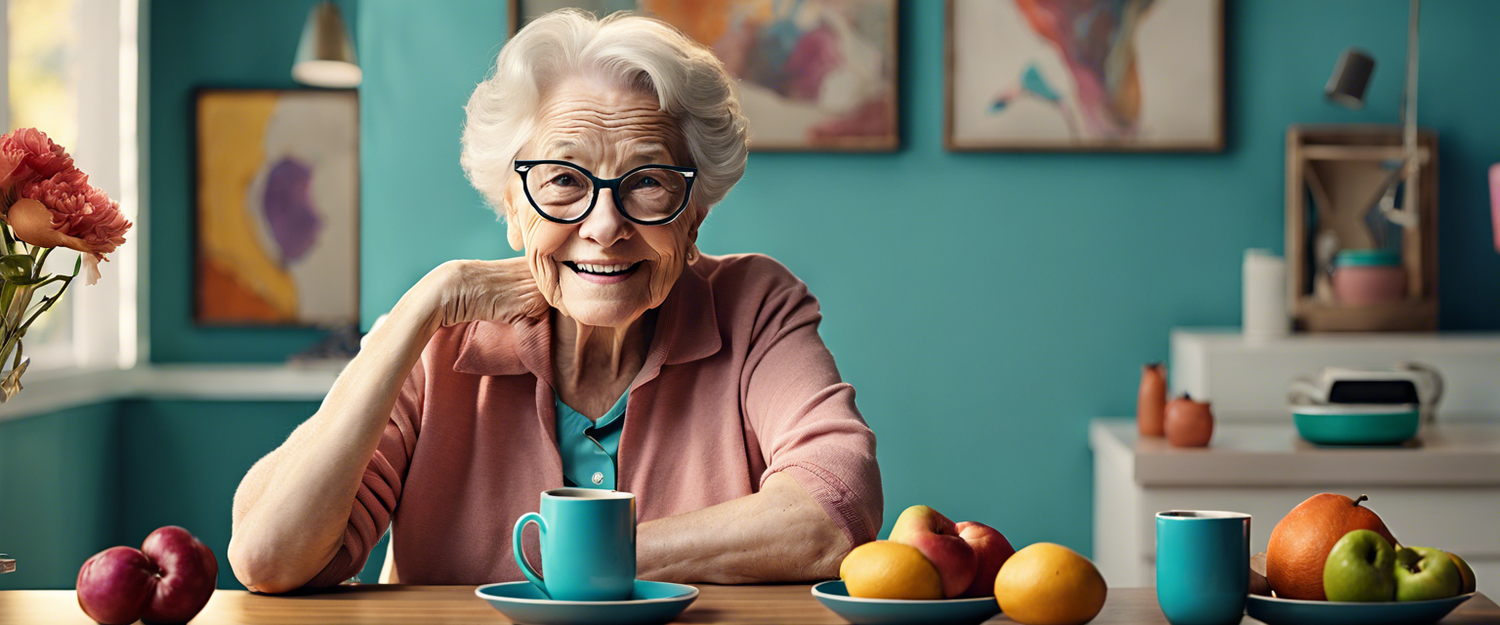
649, 603
1276, 611
861, 611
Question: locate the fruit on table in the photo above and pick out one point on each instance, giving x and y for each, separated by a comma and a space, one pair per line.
992, 550
1424, 573
1151, 402
168, 580
1300, 543
884, 569
1188, 423
1361, 567
1470, 583
937, 538
1049, 584
115, 585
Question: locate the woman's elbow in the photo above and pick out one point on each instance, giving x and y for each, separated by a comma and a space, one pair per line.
261, 570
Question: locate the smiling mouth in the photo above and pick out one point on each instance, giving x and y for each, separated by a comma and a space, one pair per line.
616, 269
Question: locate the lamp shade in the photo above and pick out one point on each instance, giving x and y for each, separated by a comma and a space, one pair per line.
1350, 78
325, 56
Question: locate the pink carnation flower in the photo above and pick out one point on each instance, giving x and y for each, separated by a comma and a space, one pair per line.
43, 157
13, 170
64, 211
79, 210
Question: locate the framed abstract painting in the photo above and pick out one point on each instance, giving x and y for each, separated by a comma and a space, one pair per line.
811, 74
1085, 75
276, 207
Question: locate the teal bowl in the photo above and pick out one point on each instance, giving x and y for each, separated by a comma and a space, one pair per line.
834, 596
1357, 424
1276, 611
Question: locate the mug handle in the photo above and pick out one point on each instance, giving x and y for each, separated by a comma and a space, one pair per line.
515, 546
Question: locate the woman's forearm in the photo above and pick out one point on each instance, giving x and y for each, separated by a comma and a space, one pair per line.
779, 534
291, 509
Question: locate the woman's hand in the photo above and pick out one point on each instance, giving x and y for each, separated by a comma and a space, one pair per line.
486, 290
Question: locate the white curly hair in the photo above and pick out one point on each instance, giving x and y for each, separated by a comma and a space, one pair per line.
689, 82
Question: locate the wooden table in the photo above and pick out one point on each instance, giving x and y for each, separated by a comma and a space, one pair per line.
376, 603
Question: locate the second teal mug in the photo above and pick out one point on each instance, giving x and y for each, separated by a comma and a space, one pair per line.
1202, 566
588, 544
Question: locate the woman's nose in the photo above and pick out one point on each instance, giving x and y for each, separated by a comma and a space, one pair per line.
605, 225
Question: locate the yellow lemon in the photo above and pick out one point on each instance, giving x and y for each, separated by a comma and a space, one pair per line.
1049, 584
888, 570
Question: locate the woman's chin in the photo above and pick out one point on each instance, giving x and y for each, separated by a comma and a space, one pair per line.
602, 314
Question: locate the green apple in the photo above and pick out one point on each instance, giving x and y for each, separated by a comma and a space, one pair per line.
1424, 573
1470, 584
1361, 567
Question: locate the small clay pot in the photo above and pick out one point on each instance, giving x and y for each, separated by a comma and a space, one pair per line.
1188, 423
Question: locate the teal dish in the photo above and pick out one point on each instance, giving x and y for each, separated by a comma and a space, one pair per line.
1276, 611
834, 596
1367, 258
1357, 424
649, 603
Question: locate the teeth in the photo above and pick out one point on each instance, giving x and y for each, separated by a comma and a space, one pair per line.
602, 269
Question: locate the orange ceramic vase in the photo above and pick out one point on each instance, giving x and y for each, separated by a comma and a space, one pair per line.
1189, 423
1151, 404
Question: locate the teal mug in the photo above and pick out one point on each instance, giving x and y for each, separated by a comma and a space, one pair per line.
588, 544
1202, 566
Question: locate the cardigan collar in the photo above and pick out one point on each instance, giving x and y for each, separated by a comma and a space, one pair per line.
687, 329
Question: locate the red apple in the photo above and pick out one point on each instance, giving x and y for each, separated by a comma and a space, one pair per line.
992, 550
937, 538
115, 585
189, 571
168, 580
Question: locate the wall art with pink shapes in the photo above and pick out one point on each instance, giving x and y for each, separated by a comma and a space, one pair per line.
1085, 75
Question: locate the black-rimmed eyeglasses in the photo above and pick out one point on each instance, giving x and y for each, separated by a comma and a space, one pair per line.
649, 195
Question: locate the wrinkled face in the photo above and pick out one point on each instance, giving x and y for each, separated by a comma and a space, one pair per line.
607, 130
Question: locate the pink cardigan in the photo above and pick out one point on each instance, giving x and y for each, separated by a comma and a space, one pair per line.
737, 385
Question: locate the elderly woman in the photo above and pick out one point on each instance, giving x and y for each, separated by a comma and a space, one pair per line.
612, 355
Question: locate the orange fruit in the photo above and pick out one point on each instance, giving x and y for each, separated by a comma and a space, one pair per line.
1049, 584
888, 570
1301, 541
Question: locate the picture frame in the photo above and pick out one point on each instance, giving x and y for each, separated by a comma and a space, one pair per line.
851, 106
1009, 87
275, 221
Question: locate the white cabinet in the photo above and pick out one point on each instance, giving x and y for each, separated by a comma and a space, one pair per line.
1246, 380
1443, 492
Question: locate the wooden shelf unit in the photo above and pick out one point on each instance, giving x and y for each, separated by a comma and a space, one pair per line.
1342, 167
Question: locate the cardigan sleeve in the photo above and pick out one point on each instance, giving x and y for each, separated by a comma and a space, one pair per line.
804, 415
380, 488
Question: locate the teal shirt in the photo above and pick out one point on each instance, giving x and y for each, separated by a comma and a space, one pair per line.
584, 464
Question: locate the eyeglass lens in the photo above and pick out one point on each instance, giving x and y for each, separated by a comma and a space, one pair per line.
564, 192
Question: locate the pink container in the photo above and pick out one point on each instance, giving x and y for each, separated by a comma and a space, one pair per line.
1495, 201
1362, 286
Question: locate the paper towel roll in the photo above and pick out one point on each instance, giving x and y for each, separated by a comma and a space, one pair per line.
1264, 296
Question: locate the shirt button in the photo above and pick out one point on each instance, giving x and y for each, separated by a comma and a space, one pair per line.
598, 477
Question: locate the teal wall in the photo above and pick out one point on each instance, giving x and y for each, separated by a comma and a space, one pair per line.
986, 306
59, 495
79, 481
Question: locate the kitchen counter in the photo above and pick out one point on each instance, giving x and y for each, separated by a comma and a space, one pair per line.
1264, 454
1442, 490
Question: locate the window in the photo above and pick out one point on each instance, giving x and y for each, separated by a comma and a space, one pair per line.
71, 71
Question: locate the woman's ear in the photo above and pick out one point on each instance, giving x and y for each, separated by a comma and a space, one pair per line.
697, 215
513, 234
512, 228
